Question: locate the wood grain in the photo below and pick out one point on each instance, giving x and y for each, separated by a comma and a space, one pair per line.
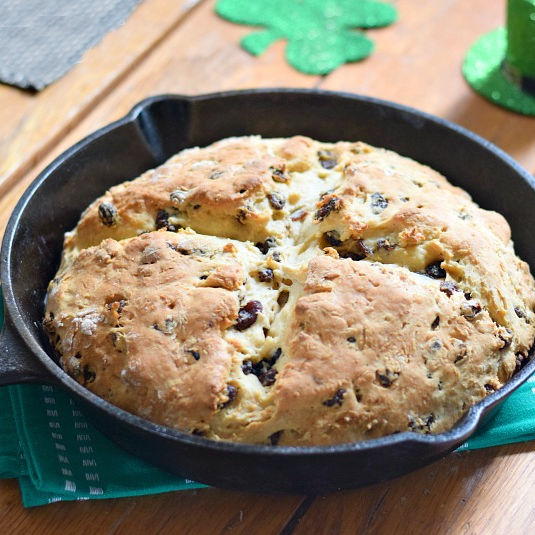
33, 122
176, 512
470, 492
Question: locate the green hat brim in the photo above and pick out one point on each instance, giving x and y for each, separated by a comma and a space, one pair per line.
482, 70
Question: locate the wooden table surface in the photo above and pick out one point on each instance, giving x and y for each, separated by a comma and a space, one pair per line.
182, 47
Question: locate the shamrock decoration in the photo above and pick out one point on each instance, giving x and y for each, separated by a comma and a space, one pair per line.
320, 33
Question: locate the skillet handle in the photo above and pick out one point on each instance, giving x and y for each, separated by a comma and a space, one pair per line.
17, 364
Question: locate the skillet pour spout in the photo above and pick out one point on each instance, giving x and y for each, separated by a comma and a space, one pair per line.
160, 126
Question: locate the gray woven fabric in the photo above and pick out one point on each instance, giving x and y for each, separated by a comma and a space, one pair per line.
40, 40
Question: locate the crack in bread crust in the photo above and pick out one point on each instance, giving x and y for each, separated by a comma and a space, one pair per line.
288, 291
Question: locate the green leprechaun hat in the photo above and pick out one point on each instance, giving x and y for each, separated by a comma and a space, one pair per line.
501, 64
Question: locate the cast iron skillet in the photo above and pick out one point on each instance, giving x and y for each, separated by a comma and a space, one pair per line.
159, 127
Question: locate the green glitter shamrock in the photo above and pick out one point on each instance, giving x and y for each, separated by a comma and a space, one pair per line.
320, 33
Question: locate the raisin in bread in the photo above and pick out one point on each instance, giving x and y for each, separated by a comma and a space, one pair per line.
287, 291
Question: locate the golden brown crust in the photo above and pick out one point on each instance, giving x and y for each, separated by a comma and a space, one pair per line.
203, 188
370, 333
378, 298
138, 325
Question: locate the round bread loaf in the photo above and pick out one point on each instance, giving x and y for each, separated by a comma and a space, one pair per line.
287, 291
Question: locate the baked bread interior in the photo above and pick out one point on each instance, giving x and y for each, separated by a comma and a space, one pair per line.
288, 291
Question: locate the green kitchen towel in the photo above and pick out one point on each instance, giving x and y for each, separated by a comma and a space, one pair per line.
514, 421
58, 455
47, 443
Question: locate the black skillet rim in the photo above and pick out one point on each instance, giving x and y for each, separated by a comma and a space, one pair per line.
456, 436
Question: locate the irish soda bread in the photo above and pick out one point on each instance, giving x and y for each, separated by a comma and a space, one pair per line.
287, 291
